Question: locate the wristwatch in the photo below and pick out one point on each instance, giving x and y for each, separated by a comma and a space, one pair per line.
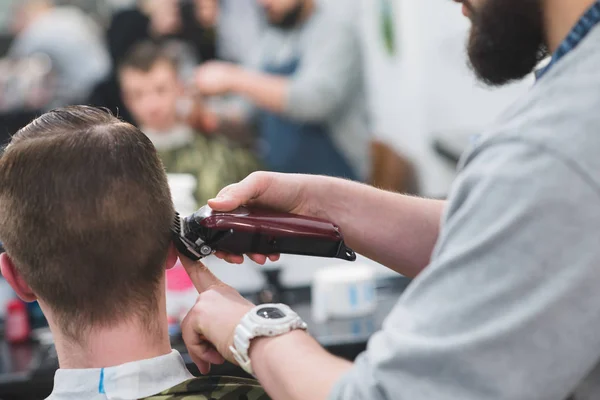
266, 320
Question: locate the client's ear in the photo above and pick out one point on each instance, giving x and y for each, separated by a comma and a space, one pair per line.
15, 280
171, 257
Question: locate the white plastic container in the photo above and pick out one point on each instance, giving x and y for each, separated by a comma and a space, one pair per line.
183, 187
343, 291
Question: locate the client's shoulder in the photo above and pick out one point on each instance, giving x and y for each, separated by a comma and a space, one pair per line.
214, 388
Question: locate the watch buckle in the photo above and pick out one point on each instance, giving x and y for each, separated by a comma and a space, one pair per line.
245, 363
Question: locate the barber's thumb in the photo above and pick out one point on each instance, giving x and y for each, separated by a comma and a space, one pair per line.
228, 199
242, 193
202, 278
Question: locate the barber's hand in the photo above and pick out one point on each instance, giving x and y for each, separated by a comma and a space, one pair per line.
278, 192
215, 78
211, 323
202, 118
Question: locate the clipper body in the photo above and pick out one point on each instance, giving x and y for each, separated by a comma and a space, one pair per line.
246, 231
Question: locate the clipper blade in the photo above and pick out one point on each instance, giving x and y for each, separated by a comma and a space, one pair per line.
181, 242
176, 227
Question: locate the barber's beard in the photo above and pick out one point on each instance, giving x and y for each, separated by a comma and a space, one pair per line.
507, 39
291, 18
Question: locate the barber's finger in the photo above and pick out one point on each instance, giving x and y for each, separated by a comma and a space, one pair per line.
200, 275
234, 196
258, 258
190, 332
192, 338
203, 366
234, 259
210, 354
230, 258
201, 351
204, 355
262, 259
221, 254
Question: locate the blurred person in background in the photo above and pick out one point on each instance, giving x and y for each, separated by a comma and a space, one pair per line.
155, 95
180, 23
307, 82
161, 20
71, 39
239, 27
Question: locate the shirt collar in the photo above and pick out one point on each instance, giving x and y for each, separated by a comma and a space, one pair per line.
175, 138
133, 380
585, 24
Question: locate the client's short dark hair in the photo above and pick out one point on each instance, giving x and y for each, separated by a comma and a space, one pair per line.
85, 213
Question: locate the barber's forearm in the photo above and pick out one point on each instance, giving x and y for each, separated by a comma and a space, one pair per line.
392, 229
265, 91
295, 367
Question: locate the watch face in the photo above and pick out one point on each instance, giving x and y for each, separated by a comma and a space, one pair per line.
270, 313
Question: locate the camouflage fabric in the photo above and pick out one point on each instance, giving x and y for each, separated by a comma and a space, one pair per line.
213, 161
214, 388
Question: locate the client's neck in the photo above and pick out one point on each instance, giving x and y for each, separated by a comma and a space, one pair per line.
116, 345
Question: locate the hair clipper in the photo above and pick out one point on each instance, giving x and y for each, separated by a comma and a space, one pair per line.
246, 231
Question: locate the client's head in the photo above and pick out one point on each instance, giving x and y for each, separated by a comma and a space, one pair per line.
150, 86
85, 212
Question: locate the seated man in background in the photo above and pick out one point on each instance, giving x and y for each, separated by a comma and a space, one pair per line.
166, 21
154, 94
85, 218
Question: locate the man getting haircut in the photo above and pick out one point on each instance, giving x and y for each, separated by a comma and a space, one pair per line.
85, 216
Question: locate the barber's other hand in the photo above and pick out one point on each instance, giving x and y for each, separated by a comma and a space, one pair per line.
279, 192
215, 78
202, 119
211, 323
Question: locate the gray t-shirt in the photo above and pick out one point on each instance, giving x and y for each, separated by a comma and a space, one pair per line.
509, 307
329, 85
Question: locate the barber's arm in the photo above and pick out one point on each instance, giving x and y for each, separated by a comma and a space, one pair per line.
395, 230
328, 72
263, 90
503, 311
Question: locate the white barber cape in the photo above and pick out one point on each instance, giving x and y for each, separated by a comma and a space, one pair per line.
129, 381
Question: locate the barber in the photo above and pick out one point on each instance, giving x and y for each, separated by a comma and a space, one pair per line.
305, 87
505, 301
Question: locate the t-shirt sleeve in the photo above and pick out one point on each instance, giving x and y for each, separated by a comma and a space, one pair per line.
329, 71
508, 308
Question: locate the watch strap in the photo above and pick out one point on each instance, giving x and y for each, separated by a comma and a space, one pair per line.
247, 330
241, 343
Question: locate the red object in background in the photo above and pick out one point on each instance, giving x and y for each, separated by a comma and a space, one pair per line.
16, 327
178, 280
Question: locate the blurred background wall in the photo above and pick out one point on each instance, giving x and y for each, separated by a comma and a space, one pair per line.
426, 90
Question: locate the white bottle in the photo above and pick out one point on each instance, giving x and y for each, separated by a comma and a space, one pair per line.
183, 187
